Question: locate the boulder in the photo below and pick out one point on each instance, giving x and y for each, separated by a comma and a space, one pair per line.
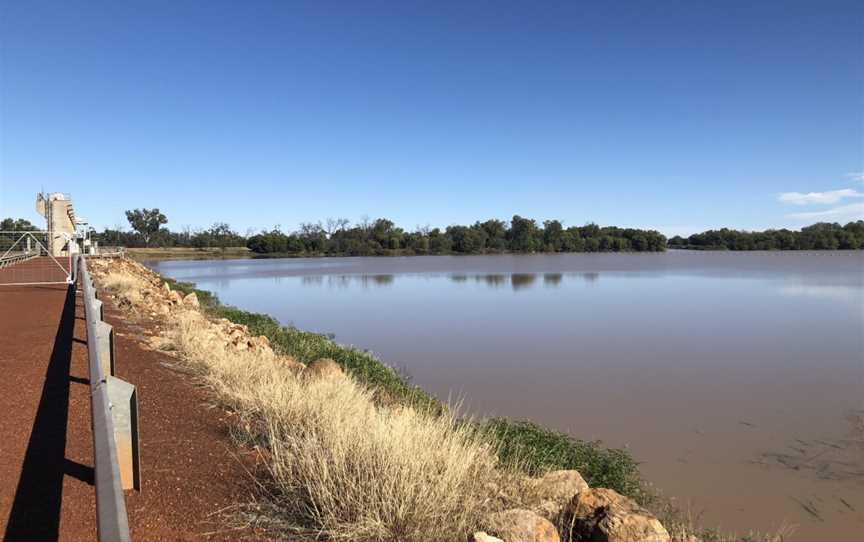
555, 489
175, 297
480, 536
603, 515
324, 368
520, 525
191, 300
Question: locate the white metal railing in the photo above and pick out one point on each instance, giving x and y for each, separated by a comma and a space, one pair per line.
35, 257
12, 259
111, 251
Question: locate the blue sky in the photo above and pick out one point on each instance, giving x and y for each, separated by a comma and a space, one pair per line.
678, 116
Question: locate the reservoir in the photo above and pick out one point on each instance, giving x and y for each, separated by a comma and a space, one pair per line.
735, 379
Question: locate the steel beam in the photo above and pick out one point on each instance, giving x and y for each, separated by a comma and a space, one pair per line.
105, 344
124, 411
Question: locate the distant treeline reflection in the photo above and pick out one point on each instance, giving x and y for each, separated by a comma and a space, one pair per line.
516, 281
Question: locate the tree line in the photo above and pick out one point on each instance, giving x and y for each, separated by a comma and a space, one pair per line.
520, 235
20, 224
338, 237
219, 235
821, 236
148, 231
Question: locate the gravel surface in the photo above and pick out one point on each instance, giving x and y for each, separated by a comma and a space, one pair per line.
192, 475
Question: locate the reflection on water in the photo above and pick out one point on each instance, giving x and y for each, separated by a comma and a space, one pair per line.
552, 279
492, 280
312, 280
344, 281
516, 281
836, 292
521, 281
711, 367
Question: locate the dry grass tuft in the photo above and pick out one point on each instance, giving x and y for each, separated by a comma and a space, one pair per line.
122, 283
342, 468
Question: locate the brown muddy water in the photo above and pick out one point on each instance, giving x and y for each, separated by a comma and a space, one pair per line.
736, 379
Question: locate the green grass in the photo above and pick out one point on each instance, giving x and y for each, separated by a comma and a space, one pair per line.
535, 450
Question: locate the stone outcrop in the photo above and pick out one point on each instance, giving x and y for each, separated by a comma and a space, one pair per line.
554, 490
603, 515
154, 297
191, 300
520, 525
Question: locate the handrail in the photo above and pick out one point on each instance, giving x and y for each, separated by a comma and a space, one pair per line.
8, 261
111, 518
111, 251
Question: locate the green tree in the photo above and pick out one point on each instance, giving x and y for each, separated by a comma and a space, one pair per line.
20, 224
146, 222
467, 240
496, 234
553, 236
524, 235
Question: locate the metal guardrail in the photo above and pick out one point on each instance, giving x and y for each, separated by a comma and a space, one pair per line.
111, 251
17, 258
114, 409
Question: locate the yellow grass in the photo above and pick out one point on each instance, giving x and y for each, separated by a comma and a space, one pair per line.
341, 467
122, 283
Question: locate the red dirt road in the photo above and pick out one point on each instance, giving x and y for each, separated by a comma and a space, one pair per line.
189, 473
41, 269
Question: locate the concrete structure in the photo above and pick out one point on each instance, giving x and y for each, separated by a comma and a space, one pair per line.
59, 215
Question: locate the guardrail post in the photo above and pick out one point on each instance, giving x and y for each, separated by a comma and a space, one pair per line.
124, 412
105, 344
98, 306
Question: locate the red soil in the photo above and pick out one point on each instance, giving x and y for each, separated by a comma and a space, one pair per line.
190, 475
